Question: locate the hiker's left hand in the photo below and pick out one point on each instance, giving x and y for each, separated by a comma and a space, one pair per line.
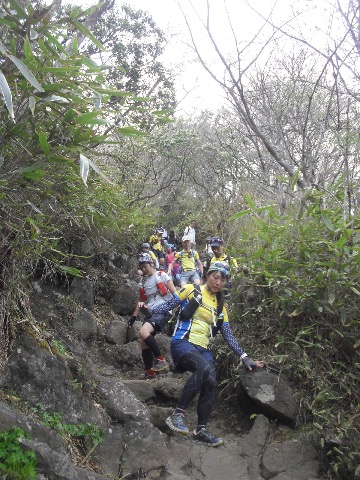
131, 321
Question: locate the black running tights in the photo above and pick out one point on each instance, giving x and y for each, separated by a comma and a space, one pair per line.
202, 380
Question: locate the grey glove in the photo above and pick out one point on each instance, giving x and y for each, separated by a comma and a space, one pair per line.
131, 321
249, 364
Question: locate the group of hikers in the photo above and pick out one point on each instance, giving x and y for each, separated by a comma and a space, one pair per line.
174, 279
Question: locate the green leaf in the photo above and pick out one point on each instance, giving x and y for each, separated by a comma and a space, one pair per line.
92, 9
56, 42
294, 179
100, 139
33, 224
165, 111
95, 121
61, 69
34, 172
52, 87
356, 238
240, 214
85, 117
43, 143
10, 24
6, 92
17, 7
88, 34
130, 132
249, 201
70, 270
113, 93
89, 62
327, 222
75, 45
75, 13
26, 72
27, 49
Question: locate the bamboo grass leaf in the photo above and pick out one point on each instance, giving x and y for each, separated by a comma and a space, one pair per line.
70, 270
83, 29
87, 162
56, 98
130, 132
18, 8
43, 143
34, 207
240, 214
33, 172
90, 118
4, 50
26, 72
75, 45
266, 208
113, 93
249, 201
84, 168
32, 104
327, 222
6, 92
92, 9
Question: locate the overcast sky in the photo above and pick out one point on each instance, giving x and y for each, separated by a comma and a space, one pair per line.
192, 82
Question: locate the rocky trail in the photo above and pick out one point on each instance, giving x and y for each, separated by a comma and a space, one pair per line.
98, 379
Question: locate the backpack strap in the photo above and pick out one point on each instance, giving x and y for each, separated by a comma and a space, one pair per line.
193, 304
228, 260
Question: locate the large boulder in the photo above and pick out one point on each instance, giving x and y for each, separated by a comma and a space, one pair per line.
85, 325
40, 377
82, 289
124, 299
295, 458
118, 332
271, 392
119, 401
56, 466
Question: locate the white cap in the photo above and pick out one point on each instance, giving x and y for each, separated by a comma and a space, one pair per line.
185, 237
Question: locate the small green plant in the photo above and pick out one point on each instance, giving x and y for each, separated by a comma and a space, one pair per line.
14, 462
66, 430
60, 347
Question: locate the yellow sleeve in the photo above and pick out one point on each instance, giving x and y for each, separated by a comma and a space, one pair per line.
185, 292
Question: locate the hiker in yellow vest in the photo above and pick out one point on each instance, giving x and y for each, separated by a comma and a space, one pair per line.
190, 264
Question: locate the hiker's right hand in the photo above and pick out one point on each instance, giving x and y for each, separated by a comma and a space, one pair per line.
249, 364
131, 321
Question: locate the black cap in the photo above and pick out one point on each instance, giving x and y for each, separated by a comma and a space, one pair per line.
216, 242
